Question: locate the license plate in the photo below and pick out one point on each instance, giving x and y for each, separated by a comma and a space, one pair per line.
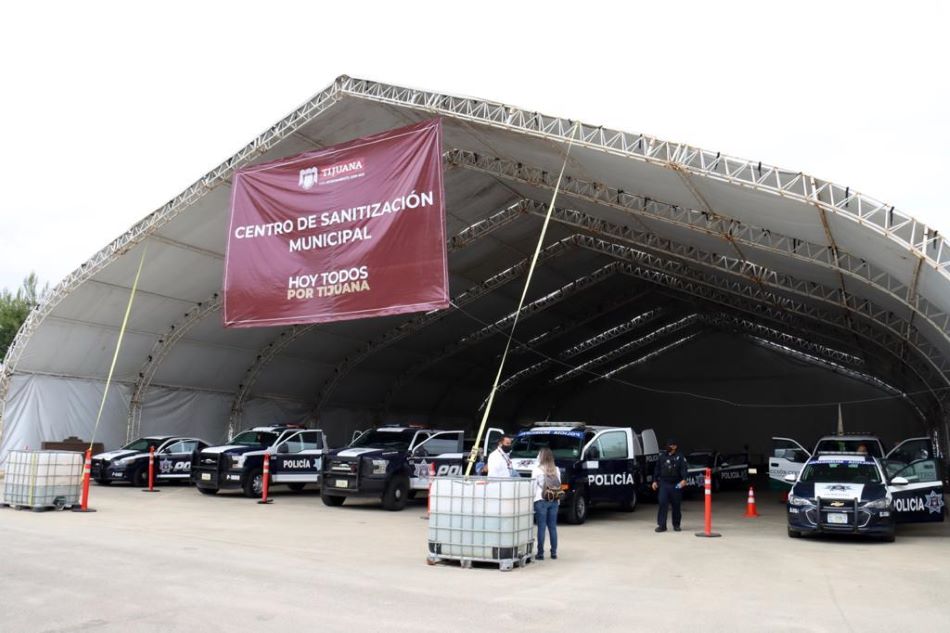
341, 483
205, 476
837, 518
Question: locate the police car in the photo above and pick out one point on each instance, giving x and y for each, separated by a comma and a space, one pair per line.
788, 456
296, 459
173, 458
393, 463
598, 464
851, 493
732, 469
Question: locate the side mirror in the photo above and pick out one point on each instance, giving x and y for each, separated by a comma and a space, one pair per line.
283, 449
899, 481
790, 478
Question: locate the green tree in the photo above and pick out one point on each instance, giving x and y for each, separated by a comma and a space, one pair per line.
15, 307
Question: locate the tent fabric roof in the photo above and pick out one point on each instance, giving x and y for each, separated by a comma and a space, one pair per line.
641, 225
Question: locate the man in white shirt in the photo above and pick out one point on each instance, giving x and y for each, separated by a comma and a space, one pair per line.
499, 463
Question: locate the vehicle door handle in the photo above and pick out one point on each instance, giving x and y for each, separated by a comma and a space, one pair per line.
773, 464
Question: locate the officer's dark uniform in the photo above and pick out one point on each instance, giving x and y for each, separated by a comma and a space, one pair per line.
670, 470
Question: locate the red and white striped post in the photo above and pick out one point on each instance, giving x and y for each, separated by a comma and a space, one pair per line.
265, 480
151, 470
86, 476
707, 490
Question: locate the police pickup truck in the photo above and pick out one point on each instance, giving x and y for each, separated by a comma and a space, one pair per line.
788, 456
392, 463
732, 469
173, 459
852, 493
599, 464
296, 459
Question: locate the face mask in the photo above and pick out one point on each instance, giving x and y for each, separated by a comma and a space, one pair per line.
507, 449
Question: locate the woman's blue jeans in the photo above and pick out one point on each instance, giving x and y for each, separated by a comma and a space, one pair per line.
545, 515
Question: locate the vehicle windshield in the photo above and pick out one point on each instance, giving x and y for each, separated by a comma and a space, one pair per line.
255, 438
143, 444
840, 473
398, 440
849, 446
564, 444
699, 460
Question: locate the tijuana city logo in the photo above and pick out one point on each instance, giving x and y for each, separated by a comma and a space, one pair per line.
333, 173
616, 479
932, 502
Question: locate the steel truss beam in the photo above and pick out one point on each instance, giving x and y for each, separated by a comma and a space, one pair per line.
460, 240
500, 325
705, 223
879, 217
645, 358
156, 356
702, 222
583, 346
159, 218
400, 332
626, 348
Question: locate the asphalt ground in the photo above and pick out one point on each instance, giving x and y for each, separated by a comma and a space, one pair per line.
181, 561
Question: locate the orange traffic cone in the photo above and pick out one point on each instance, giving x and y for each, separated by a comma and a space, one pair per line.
750, 511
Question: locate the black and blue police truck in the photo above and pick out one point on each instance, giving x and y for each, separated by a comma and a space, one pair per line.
856, 493
392, 463
296, 459
173, 458
598, 464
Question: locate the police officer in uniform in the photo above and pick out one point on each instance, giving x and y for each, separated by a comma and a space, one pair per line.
670, 479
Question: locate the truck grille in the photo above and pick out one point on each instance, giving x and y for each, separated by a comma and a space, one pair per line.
343, 466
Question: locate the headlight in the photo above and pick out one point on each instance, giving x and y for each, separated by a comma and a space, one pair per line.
799, 501
878, 504
379, 466
235, 462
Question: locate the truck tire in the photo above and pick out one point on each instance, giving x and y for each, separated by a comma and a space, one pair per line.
577, 510
254, 483
396, 494
334, 501
631, 504
207, 491
139, 476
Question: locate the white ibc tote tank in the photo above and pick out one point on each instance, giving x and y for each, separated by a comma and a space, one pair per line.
42, 479
481, 519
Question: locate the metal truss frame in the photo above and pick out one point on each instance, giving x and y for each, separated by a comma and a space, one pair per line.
882, 218
733, 232
160, 349
669, 347
141, 231
499, 326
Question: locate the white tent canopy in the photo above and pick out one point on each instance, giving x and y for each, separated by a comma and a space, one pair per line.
657, 249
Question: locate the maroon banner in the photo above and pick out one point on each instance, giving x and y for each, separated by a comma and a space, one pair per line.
352, 231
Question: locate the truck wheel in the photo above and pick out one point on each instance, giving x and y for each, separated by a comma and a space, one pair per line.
332, 500
139, 476
794, 533
254, 483
296, 487
577, 511
631, 504
207, 491
397, 493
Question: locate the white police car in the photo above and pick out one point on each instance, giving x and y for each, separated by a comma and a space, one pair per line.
852, 493
173, 459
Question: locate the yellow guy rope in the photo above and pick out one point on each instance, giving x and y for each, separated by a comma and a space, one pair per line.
118, 345
524, 292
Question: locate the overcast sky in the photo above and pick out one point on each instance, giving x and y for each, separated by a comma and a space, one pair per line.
109, 110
